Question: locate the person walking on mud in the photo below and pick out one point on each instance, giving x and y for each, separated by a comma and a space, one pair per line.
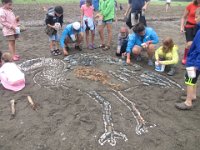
135, 12
10, 25
189, 27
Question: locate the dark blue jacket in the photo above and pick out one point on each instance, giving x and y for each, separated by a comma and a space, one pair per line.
193, 57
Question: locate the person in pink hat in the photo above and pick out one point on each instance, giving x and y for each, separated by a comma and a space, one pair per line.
10, 25
11, 76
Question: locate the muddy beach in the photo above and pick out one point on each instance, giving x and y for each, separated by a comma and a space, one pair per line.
114, 107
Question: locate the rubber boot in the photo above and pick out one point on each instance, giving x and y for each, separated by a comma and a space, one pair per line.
185, 56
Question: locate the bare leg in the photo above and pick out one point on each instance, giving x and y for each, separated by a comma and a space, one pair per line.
57, 44
150, 51
190, 92
87, 37
11, 46
93, 34
79, 38
109, 28
136, 50
101, 33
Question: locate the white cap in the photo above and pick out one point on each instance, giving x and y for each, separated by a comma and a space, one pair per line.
76, 25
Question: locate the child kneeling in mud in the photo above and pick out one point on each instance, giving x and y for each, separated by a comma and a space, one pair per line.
54, 21
122, 41
11, 76
167, 55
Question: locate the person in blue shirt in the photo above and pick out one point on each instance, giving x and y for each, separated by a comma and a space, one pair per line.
72, 33
95, 4
136, 12
193, 60
142, 38
82, 2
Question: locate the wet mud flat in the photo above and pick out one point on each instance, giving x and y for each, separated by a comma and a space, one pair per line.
76, 112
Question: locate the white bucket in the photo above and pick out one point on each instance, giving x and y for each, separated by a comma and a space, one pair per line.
159, 67
17, 30
191, 72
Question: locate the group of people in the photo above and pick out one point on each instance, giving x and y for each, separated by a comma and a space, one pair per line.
130, 45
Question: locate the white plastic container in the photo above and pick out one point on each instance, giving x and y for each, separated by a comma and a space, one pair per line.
191, 72
17, 30
57, 25
159, 67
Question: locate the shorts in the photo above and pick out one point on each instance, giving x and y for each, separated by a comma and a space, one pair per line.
138, 17
190, 34
88, 24
54, 37
191, 81
12, 37
102, 22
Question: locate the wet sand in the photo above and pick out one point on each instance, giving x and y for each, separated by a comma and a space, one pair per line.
70, 117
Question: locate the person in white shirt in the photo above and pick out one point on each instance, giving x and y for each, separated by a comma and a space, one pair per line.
167, 5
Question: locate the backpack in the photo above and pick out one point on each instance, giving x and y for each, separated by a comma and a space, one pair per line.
48, 30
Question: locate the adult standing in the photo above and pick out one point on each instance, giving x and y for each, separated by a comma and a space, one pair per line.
193, 61
136, 12
105, 18
188, 24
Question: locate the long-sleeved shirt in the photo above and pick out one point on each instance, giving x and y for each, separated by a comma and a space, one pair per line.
136, 39
193, 57
170, 57
107, 9
121, 40
8, 20
68, 32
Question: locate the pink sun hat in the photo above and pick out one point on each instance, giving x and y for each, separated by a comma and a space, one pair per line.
13, 86
11, 77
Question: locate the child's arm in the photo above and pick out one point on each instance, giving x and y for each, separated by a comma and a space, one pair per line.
156, 53
174, 59
4, 22
118, 43
48, 21
82, 14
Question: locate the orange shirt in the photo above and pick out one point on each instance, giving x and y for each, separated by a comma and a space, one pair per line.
191, 8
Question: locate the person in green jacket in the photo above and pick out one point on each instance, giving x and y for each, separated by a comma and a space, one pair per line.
167, 55
105, 18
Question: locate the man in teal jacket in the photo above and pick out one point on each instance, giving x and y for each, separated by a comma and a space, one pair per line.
143, 38
106, 16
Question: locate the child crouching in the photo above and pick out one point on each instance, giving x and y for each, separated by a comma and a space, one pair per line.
11, 76
167, 55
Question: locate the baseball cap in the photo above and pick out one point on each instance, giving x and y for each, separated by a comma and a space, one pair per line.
76, 25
